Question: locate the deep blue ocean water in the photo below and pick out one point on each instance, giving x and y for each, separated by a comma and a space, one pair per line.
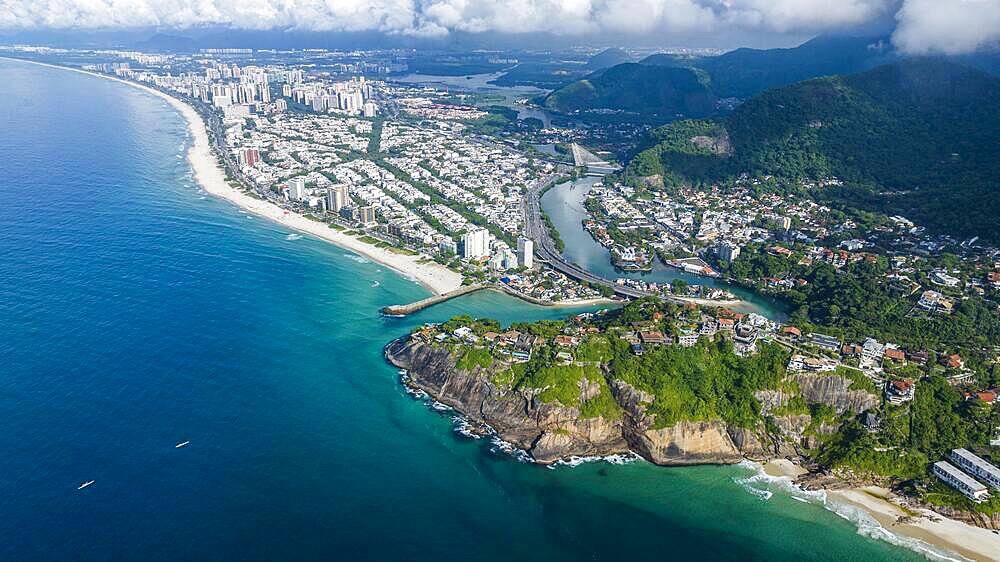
137, 313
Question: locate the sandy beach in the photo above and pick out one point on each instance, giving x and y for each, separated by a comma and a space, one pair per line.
210, 175
938, 534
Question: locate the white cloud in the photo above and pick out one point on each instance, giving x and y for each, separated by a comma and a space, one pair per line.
947, 26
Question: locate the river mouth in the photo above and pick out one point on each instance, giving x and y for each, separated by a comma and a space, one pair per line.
564, 204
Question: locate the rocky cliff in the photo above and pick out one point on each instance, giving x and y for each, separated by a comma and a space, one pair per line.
550, 431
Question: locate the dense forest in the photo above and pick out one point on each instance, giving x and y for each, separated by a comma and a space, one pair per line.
916, 138
666, 91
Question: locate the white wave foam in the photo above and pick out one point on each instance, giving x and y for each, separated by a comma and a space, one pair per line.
617, 459
441, 407
356, 258
762, 481
499, 446
763, 485
464, 428
869, 527
293, 236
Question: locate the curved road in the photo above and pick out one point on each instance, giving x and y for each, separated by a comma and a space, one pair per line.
545, 248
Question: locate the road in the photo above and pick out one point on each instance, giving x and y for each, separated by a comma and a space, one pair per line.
545, 248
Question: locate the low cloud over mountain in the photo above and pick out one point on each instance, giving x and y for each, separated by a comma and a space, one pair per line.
922, 26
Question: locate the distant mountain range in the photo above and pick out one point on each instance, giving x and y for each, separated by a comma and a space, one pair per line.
917, 137
741, 73
650, 89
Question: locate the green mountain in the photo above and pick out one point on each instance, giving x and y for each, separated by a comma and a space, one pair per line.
607, 57
917, 137
745, 72
664, 91
740, 73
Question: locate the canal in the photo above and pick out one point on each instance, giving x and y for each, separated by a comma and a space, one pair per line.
564, 205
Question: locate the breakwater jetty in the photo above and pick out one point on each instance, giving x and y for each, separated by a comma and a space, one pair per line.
406, 309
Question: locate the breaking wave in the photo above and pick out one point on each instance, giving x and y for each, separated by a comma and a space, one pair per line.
763, 485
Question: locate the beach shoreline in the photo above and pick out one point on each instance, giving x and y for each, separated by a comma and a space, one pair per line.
210, 175
937, 533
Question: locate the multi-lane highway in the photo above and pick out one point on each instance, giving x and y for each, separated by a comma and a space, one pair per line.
545, 248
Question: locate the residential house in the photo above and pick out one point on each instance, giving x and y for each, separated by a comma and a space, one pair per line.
899, 391
744, 340
652, 337
687, 339
933, 301
871, 354
792, 332
825, 341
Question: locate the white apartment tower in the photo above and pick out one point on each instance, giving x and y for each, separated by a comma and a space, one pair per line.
475, 243
525, 253
297, 189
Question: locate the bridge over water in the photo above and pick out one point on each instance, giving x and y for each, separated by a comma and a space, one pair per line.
595, 165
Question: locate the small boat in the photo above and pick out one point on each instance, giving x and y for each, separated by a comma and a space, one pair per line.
85, 484
179, 445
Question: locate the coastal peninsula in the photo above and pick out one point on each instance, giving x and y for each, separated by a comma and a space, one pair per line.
682, 386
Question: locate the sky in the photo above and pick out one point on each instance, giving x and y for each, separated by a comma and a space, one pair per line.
918, 26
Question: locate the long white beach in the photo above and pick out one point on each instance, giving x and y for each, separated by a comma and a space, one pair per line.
210, 175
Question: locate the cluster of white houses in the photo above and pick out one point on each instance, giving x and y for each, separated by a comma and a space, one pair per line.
969, 474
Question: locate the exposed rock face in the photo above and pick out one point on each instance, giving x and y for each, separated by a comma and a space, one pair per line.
551, 431
834, 391
977, 519
687, 443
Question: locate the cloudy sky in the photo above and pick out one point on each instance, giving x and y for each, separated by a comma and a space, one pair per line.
921, 26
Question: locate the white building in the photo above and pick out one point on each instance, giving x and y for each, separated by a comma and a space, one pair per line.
475, 243
941, 277
525, 253
976, 466
728, 251
871, 354
960, 481
297, 189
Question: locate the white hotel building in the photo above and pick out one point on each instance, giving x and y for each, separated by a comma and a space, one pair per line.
976, 466
960, 481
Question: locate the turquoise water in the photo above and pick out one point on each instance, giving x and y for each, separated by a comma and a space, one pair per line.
564, 205
137, 313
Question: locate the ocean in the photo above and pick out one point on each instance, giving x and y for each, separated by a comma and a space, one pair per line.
137, 313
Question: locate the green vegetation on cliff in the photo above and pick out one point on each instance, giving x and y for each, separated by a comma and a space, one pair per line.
702, 383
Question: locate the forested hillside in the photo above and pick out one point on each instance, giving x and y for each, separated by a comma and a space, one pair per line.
916, 138
660, 90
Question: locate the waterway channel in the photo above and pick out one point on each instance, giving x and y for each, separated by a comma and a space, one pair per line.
564, 205
480, 83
